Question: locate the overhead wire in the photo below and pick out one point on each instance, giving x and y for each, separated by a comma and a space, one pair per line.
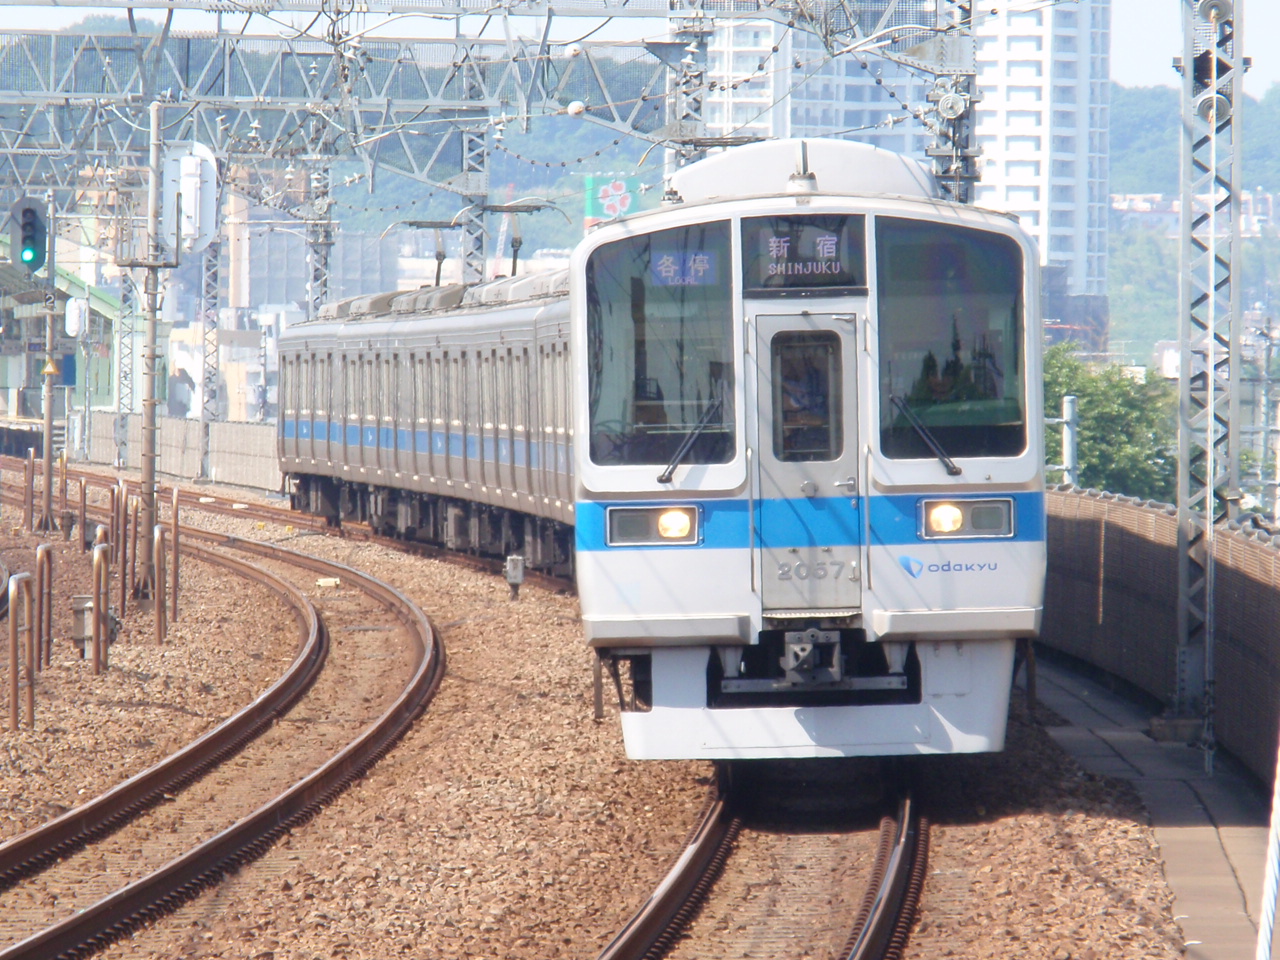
412, 125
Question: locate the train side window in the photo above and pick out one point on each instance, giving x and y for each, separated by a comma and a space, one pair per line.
420, 390
522, 389
340, 408
470, 364
503, 392
435, 398
390, 387
300, 404
287, 377
453, 393
322, 387
806, 376
368, 391
491, 414
329, 385
406, 392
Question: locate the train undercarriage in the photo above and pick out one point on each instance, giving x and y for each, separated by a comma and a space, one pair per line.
454, 524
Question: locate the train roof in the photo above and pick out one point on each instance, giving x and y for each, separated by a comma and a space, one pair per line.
403, 303
773, 167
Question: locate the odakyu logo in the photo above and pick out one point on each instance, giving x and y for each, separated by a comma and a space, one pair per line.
918, 568
912, 566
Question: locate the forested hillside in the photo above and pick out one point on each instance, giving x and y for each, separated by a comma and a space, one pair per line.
1146, 140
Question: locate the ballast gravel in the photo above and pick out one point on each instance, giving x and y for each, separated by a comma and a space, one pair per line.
509, 823
231, 640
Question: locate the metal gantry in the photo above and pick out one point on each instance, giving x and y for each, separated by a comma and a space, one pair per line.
952, 58
1209, 333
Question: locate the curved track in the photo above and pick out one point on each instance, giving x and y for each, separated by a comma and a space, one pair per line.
666, 925
245, 508
209, 845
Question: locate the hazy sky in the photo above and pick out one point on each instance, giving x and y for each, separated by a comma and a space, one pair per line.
1147, 34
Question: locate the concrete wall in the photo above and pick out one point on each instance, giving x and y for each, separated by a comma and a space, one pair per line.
1112, 599
242, 454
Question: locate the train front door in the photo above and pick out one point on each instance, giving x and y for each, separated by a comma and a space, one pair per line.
807, 509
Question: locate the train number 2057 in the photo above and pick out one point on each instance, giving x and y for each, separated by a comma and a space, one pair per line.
817, 570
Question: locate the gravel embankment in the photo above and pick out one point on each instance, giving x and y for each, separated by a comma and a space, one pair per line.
231, 640
509, 824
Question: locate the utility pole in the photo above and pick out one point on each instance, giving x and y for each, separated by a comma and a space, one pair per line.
153, 262
46, 522
146, 561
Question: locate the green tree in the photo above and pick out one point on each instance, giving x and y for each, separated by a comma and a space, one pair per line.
1127, 434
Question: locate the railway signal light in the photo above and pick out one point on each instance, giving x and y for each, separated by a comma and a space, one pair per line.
27, 235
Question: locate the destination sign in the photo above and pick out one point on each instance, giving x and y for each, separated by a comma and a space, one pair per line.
683, 268
803, 253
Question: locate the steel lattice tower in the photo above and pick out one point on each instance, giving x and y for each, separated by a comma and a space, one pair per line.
1209, 333
125, 362
210, 363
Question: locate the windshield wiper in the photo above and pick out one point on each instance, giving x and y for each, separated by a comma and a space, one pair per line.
930, 440
690, 438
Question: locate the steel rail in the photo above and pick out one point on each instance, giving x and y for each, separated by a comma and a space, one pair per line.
661, 918
27, 852
880, 930
184, 877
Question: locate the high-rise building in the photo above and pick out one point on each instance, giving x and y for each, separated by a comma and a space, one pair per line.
774, 82
1042, 124
1043, 128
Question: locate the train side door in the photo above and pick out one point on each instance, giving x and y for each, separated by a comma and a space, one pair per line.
807, 509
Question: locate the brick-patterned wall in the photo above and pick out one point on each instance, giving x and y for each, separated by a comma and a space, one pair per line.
1112, 599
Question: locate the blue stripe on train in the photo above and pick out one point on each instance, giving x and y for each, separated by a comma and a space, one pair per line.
502, 450
804, 522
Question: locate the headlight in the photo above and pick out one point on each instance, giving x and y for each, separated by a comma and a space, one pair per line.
966, 518
945, 518
636, 526
675, 524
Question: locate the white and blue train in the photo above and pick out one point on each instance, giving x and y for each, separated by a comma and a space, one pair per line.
786, 429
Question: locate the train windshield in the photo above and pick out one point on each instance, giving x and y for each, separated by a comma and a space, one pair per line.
949, 300
660, 348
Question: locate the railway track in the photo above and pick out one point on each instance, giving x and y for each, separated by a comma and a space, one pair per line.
244, 508
154, 841
741, 891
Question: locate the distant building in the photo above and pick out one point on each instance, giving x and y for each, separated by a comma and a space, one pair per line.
1043, 121
774, 82
1156, 211
1043, 124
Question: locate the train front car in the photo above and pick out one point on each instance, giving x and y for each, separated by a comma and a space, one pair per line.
809, 471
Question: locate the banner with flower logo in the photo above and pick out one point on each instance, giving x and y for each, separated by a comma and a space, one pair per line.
609, 198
